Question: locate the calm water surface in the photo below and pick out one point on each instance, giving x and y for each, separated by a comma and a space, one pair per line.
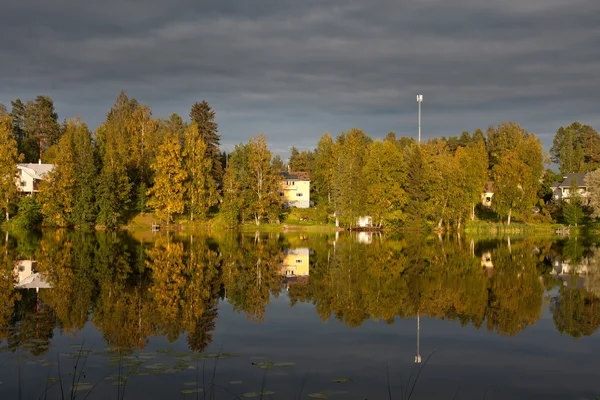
111, 316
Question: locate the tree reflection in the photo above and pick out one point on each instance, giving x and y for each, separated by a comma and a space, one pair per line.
171, 286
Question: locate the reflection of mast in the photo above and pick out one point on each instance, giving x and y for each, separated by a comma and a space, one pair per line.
418, 356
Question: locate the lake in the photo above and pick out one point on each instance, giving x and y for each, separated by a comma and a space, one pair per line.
111, 315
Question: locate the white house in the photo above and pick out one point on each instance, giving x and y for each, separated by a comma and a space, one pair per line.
561, 190
30, 175
364, 222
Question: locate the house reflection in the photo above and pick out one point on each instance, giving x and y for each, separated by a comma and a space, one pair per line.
27, 276
581, 275
295, 265
487, 264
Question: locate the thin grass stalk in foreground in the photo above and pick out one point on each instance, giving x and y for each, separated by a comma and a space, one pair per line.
419, 374
303, 383
387, 374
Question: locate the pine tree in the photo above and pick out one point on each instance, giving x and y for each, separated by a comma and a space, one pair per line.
201, 189
9, 157
167, 194
277, 163
42, 129
204, 117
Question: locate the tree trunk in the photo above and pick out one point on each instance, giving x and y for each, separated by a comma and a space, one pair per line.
458, 226
509, 215
472, 211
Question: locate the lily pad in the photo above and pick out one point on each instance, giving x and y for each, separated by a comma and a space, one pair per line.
285, 364
164, 350
190, 383
81, 386
318, 396
341, 380
235, 382
258, 394
188, 391
264, 364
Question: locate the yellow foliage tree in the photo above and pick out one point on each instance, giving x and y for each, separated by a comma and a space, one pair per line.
168, 190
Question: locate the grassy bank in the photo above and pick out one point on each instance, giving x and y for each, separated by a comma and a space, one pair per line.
517, 228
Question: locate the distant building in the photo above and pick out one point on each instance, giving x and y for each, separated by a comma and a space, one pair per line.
294, 189
30, 175
561, 191
364, 222
488, 193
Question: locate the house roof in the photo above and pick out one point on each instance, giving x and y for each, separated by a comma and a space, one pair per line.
568, 180
295, 176
34, 281
36, 171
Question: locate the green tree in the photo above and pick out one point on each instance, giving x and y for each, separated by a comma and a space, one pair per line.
204, 117
235, 187
349, 181
592, 181
512, 186
9, 157
263, 183
576, 148
41, 128
201, 189
572, 211
325, 164
277, 163
169, 181
385, 176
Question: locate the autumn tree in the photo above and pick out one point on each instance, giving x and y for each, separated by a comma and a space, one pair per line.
9, 157
512, 186
301, 161
204, 117
169, 181
263, 183
201, 188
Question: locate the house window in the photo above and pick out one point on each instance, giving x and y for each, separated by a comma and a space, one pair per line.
23, 183
299, 194
293, 183
488, 199
21, 268
298, 261
281, 193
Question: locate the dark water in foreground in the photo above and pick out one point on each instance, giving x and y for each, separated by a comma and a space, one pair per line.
222, 317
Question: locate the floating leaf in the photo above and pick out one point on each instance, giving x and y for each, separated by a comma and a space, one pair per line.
164, 350
284, 364
52, 380
188, 391
257, 394
318, 396
341, 380
235, 382
81, 386
190, 383
264, 364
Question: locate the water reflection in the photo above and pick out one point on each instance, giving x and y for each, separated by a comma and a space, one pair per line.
132, 290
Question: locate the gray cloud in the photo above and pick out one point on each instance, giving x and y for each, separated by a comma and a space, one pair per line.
293, 69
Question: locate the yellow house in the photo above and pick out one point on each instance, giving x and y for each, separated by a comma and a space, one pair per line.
295, 262
294, 189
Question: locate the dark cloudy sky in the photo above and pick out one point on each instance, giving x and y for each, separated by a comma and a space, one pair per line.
294, 69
